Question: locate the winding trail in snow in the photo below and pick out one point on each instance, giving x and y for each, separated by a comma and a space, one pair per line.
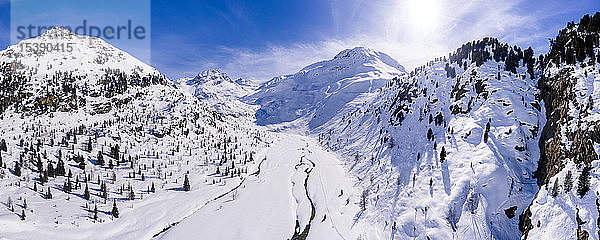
296, 182
304, 168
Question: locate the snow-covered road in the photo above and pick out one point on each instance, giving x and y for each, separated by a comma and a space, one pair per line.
273, 203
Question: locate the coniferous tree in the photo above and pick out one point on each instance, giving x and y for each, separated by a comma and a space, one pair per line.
131, 194
568, 182
104, 191
3, 147
50, 170
43, 177
100, 159
443, 154
114, 152
9, 202
17, 169
40, 167
82, 164
583, 185
115, 210
186, 184
95, 212
49, 194
89, 145
67, 187
86, 192
486, 133
555, 188
60, 168
363, 200
429, 134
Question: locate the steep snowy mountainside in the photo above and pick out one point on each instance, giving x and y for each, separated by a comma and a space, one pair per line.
40, 79
98, 153
319, 90
218, 90
449, 150
567, 205
86, 55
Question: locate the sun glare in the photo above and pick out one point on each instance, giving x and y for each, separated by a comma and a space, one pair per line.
423, 13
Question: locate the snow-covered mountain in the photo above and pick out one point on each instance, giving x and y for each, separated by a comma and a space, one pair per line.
319, 90
488, 142
567, 205
45, 79
96, 144
448, 150
218, 90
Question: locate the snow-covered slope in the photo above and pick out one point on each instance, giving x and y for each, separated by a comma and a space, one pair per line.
218, 90
319, 90
88, 56
395, 140
38, 80
452, 150
96, 128
567, 205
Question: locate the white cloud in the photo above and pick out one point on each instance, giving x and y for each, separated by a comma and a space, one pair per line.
390, 27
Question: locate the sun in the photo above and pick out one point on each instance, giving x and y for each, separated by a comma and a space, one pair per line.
424, 13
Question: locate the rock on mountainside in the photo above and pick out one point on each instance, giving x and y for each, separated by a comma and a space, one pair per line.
567, 205
319, 90
448, 150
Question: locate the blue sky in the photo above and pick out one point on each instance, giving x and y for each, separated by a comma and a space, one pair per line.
262, 39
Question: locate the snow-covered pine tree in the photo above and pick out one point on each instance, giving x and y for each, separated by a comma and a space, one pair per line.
115, 210
17, 170
131, 194
555, 188
3, 145
186, 184
95, 212
443, 154
487, 131
86, 192
49, 194
89, 145
100, 160
568, 182
583, 185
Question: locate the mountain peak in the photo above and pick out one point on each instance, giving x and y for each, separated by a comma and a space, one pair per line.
356, 52
361, 55
210, 75
56, 32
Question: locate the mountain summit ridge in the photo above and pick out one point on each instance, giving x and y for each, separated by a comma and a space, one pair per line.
318, 90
